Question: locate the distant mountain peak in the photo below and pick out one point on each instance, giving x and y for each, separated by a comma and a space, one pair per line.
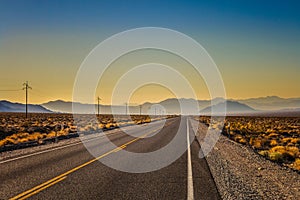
230, 106
59, 101
273, 97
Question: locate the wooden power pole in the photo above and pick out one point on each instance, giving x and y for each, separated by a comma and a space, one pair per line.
26, 87
140, 109
98, 105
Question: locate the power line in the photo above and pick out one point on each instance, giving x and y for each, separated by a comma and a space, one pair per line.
40, 91
10, 90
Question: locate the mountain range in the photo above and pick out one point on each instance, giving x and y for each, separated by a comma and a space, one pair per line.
271, 103
6, 106
261, 105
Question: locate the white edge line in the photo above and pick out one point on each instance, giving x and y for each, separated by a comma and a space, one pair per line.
41, 152
190, 187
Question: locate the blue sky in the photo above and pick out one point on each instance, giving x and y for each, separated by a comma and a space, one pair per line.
118, 15
258, 39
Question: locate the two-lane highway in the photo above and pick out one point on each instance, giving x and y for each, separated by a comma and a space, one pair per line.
73, 173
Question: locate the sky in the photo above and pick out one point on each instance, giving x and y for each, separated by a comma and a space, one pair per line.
255, 44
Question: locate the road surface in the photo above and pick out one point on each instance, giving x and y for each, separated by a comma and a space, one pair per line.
72, 172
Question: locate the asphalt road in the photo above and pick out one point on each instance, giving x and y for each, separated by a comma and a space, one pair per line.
73, 173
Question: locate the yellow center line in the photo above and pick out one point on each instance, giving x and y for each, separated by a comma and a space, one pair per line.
37, 191
118, 149
61, 177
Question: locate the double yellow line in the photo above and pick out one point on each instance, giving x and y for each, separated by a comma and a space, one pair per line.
43, 186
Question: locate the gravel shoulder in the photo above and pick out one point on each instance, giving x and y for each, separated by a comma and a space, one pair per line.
240, 173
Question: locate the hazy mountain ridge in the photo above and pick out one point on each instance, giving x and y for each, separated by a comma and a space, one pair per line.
231, 107
172, 105
6, 106
269, 104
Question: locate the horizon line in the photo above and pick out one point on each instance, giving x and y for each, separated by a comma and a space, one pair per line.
137, 104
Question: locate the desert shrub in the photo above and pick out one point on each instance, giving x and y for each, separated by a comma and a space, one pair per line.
240, 139
293, 151
35, 136
11, 141
148, 120
100, 126
73, 129
280, 149
108, 126
275, 156
90, 128
295, 140
273, 135
22, 140
296, 164
264, 153
287, 153
23, 135
231, 133
51, 134
60, 133
14, 137
273, 143
257, 143
3, 142
286, 140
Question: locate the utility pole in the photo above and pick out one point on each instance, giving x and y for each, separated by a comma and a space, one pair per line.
99, 99
26, 87
140, 109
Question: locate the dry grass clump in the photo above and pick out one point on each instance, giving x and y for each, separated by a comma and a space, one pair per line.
109, 125
258, 143
281, 154
273, 135
240, 139
295, 141
273, 143
296, 164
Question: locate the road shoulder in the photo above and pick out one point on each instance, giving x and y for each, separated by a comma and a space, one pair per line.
240, 173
